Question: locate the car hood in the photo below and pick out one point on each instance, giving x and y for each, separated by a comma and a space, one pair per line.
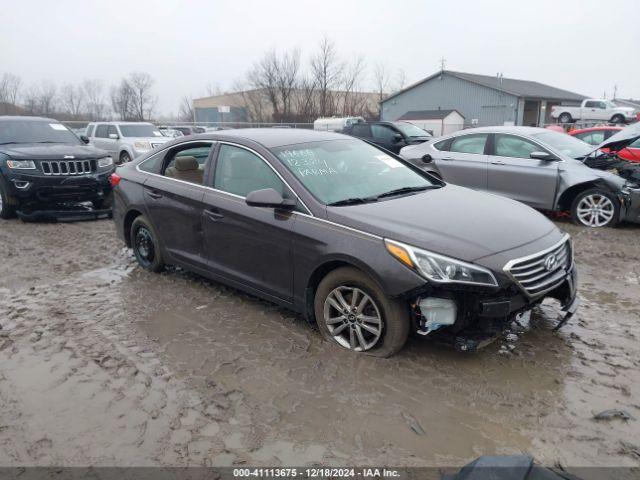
622, 139
454, 221
45, 151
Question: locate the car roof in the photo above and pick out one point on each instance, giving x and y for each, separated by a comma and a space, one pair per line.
121, 123
9, 118
504, 129
594, 129
275, 137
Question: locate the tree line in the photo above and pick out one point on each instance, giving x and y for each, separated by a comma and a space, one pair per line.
131, 99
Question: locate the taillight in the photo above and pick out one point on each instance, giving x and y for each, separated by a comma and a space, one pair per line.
114, 180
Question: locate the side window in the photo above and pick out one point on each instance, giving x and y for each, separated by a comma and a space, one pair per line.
593, 138
590, 105
152, 164
516, 147
443, 145
90, 129
602, 105
102, 130
635, 144
382, 133
112, 130
360, 130
469, 144
188, 164
240, 172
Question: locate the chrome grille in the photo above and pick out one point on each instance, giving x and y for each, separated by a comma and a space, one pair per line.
67, 167
538, 274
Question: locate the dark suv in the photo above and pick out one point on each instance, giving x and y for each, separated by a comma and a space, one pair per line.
391, 136
44, 165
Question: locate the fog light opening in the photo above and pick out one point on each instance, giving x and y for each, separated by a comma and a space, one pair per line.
436, 313
21, 184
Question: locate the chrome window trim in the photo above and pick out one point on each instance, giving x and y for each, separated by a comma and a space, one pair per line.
511, 263
215, 189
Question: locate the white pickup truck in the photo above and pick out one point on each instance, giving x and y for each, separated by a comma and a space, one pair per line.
593, 109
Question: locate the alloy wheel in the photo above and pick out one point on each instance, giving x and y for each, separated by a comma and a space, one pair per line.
595, 210
353, 318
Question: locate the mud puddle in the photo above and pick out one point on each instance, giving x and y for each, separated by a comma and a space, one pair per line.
102, 363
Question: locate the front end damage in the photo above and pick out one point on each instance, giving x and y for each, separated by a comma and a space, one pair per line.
471, 317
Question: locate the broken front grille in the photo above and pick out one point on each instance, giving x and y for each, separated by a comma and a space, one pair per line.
542, 272
68, 167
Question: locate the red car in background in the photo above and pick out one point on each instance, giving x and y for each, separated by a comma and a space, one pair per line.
596, 135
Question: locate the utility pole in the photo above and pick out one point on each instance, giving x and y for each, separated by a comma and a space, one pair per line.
443, 63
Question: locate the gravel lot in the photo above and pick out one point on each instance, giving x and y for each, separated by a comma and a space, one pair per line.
102, 363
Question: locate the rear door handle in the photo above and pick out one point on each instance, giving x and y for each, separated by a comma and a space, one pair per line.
154, 195
498, 162
213, 214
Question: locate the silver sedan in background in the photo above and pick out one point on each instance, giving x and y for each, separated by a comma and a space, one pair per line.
535, 166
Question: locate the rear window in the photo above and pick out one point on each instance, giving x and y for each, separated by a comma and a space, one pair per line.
442, 145
469, 144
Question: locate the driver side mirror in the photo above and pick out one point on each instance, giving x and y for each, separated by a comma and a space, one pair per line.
114, 136
545, 156
84, 138
268, 197
397, 138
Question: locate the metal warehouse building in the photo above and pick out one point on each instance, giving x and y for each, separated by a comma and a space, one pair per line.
481, 99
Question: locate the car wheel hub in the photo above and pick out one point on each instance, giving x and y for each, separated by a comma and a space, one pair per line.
352, 318
144, 244
595, 210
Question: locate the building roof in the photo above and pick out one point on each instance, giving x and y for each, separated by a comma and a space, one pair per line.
519, 88
628, 102
428, 114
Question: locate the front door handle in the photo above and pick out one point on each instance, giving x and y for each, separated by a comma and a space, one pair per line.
213, 214
498, 162
154, 195
448, 159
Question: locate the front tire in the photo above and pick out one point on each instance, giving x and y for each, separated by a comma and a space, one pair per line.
595, 208
146, 247
353, 312
565, 118
6, 210
125, 157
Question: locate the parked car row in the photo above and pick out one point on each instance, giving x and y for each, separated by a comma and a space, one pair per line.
593, 109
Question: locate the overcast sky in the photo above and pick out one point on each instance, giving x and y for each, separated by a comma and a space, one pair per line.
582, 45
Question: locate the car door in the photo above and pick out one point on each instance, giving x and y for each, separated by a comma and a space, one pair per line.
248, 245
387, 138
111, 144
462, 160
100, 136
512, 173
173, 198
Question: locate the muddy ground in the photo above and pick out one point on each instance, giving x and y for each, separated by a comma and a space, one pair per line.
102, 363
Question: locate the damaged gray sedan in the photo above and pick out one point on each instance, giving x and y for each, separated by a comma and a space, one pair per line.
536, 166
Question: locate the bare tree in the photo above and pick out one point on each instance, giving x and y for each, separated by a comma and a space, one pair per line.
254, 101
9, 89
264, 76
350, 85
306, 100
73, 99
287, 68
143, 100
47, 98
122, 101
95, 102
326, 69
212, 89
185, 110
401, 79
30, 100
381, 79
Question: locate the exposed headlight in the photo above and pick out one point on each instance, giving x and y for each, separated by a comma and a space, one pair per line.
438, 268
21, 164
105, 162
142, 145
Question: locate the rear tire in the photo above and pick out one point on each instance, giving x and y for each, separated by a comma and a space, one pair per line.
6, 210
146, 247
618, 119
595, 208
565, 118
372, 323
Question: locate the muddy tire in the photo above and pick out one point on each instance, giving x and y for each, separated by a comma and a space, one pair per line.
353, 312
595, 208
6, 210
565, 118
146, 247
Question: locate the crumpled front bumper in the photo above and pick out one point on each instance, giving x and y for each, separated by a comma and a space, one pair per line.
630, 205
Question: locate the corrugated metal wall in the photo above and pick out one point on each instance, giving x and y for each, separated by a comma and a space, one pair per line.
489, 106
211, 114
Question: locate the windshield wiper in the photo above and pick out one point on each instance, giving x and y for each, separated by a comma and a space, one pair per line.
351, 201
400, 191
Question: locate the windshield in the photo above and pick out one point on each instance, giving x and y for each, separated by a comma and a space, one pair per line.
561, 142
411, 130
338, 170
140, 131
610, 104
34, 131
